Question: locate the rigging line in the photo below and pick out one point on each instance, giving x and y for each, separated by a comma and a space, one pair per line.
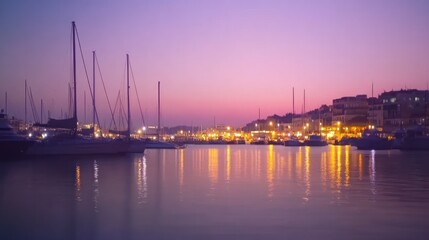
105, 92
122, 113
33, 107
137, 94
86, 71
114, 110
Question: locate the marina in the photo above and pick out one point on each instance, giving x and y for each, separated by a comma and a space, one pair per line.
218, 192
276, 120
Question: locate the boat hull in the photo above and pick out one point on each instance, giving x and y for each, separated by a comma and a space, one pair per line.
78, 148
292, 143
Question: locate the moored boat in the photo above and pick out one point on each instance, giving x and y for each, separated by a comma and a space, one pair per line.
78, 145
11, 144
415, 139
315, 141
373, 139
293, 142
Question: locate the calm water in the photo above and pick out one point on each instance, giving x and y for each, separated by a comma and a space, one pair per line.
219, 192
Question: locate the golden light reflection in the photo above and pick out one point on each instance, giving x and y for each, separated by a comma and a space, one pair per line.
228, 163
347, 166
213, 165
77, 183
307, 174
181, 166
298, 164
332, 166
339, 166
271, 165
360, 166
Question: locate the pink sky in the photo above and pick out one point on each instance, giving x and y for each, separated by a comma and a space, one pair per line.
222, 59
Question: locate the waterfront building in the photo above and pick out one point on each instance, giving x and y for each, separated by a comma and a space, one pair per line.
404, 108
350, 111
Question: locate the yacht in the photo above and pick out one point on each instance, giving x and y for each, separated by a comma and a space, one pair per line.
11, 143
293, 142
373, 139
315, 141
415, 139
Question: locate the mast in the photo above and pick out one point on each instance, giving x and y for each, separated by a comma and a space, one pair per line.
93, 89
84, 108
304, 101
74, 77
159, 110
373, 102
128, 96
293, 102
41, 110
25, 104
5, 101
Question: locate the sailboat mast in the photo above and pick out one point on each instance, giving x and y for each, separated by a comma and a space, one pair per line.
293, 101
5, 101
159, 109
74, 76
128, 96
25, 104
93, 89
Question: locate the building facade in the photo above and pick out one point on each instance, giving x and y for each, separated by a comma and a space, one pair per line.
404, 108
350, 111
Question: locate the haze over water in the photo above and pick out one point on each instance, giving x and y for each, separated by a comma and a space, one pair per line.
218, 192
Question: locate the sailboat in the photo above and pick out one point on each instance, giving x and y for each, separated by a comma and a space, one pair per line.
158, 144
293, 141
71, 143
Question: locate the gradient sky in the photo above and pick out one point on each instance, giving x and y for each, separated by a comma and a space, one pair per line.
223, 58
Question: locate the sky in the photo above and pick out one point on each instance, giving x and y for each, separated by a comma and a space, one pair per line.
217, 61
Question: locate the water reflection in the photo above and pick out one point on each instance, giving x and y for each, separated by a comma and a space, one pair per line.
217, 191
372, 173
95, 186
78, 197
307, 179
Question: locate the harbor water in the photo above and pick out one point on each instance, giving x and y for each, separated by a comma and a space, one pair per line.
218, 192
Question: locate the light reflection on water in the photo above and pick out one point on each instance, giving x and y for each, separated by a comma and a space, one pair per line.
218, 192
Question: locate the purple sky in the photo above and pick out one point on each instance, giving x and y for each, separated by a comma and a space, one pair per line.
222, 59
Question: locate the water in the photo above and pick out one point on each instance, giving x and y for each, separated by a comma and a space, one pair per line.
218, 192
